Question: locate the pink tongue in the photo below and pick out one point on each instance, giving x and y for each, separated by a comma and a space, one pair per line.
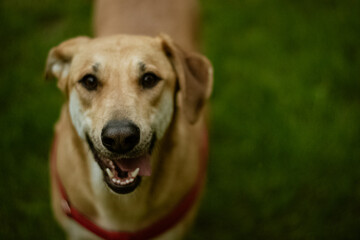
129, 165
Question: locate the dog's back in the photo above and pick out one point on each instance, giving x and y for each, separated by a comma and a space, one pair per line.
177, 18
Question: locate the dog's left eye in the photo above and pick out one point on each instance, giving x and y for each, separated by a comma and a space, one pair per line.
89, 82
149, 80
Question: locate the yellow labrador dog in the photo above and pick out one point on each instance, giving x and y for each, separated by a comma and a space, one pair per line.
131, 138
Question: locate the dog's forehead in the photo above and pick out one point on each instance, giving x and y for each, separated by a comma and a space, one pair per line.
123, 45
121, 51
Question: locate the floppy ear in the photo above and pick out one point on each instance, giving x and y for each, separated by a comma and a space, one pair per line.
195, 78
59, 60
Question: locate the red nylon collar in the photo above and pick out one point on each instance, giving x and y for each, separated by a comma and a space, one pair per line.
154, 230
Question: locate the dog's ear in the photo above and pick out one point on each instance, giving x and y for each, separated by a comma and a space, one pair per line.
59, 60
195, 78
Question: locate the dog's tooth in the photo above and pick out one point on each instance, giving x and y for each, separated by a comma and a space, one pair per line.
134, 173
109, 173
114, 180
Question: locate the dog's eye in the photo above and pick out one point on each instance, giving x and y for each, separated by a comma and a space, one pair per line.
89, 82
149, 80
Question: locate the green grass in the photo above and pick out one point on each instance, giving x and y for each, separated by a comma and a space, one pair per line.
285, 132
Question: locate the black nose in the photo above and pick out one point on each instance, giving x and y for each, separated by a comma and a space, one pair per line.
120, 136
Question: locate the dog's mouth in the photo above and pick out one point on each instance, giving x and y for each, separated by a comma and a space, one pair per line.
123, 174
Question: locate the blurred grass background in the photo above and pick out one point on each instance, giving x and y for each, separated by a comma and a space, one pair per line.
285, 133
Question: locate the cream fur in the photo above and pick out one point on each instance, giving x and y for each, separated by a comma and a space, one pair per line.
115, 60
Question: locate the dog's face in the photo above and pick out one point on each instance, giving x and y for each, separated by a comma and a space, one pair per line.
121, 94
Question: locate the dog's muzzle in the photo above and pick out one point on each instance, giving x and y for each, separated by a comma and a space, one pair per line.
123, 168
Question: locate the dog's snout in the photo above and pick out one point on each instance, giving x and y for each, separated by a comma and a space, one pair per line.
120, 136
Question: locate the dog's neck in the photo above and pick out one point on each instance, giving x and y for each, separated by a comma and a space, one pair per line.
173, 174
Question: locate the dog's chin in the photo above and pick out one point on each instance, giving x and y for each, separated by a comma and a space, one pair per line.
123, 175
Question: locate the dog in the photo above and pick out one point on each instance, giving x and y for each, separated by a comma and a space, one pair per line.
127, 158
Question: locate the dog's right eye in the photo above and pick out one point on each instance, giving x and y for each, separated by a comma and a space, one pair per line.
149, 80
89, 82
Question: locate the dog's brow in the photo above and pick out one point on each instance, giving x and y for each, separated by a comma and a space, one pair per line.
142, 66
95, 67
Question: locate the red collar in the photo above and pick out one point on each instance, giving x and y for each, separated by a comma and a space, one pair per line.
159, 227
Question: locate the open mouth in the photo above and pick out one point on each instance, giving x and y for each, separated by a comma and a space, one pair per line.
123, 175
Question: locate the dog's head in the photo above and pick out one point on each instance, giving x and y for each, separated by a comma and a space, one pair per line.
122, 93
